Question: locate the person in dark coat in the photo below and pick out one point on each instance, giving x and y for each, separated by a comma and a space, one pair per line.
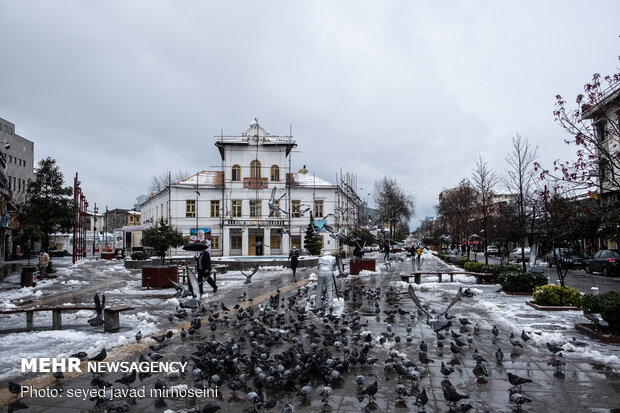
204, 269
386, 250
358, 254
294, 257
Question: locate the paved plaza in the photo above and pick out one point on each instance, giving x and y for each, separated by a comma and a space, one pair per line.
376, 312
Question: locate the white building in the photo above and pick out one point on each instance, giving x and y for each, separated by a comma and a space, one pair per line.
233, 203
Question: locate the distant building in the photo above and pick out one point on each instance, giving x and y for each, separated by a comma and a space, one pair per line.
16, 169
605, 116
232, 205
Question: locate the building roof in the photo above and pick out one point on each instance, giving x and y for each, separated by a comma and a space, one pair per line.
307, 179
254, 135
204, 178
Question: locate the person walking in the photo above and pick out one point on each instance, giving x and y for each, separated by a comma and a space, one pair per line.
325, 280
204, 269
419, 252
294, 257
386, 250
44, 260
358, 254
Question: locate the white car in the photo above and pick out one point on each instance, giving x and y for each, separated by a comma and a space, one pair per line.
492, 250
515, 254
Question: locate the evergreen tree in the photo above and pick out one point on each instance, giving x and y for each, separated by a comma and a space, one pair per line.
47, 207
161, 237
312, 240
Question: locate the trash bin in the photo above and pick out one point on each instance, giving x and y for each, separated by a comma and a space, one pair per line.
27, 279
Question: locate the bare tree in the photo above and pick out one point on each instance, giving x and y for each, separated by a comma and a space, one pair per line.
519, 179
394, 204
456, 209
484, 179
164, 179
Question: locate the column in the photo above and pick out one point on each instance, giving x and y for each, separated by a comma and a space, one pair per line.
245, 241
286, 244
267, 241
226, 241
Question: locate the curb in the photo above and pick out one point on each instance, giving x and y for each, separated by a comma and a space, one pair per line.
552, 307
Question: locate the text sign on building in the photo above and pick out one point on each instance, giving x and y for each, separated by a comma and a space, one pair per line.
255, 222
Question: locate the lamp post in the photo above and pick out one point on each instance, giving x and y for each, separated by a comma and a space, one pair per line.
76, 227
95, 229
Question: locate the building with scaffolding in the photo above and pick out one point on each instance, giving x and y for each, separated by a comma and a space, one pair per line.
255, 204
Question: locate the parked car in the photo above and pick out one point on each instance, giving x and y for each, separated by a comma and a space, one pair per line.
515, 254
492, 250
565, 255
605, 261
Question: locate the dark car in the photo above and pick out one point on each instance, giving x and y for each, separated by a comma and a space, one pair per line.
605, 261
567, 256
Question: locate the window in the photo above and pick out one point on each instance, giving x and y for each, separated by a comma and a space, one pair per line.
255, 169
276, 204
275, 173
190, 208
215, 242
162, 210
236, 173
235, 242
24, 163
318, 208
236, 208
255, 209
295, 208
215, 208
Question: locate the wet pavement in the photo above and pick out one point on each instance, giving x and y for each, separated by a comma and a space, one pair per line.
375, 305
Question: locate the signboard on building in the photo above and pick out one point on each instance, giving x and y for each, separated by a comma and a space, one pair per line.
118, 238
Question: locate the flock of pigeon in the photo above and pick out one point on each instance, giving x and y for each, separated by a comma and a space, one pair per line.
289, 352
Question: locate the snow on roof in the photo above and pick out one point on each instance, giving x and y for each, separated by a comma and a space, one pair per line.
204, 178
309, 180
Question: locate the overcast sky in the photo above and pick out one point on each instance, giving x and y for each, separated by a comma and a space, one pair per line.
120, 91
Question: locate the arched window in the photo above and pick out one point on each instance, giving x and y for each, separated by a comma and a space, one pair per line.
255, 169
236, 173
275, 173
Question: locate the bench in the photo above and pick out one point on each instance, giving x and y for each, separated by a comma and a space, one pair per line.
110, 315
417, 275
215, 269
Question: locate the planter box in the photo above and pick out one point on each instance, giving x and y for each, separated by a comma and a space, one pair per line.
516, 292
588, 329
108, 255
357, 266
552, 307
159, 276
27, 279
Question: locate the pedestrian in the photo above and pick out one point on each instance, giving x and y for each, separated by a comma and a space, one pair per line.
294, 257
325, 280
204, 270
419, 252
44, 260
358, 254
386, 250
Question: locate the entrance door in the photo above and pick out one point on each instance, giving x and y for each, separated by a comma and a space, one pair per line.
258, 245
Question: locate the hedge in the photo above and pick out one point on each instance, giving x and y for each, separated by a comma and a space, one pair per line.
607, 305
516, 281
557, 295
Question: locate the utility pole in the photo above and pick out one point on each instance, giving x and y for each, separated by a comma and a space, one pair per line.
95, 230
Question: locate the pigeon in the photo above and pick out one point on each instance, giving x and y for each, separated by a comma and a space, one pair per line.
499, 355
517, 397
554, 349
452, 396
424, 359
99, 357
99, 306
248, 277
80, 355
517, 381
304, 392
468, 293
446, 371
371, 390
139, 335
524, 336
423, 346
127, 379
464, 321
223, 307
495, 331
480, 370
514, 341
360, 380
58, 375
210, 408
454, 348
421, 399
15, 388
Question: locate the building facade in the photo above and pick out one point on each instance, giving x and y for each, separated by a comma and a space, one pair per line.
16, 169
255, 204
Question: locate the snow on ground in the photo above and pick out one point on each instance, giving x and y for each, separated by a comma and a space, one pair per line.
76, 336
